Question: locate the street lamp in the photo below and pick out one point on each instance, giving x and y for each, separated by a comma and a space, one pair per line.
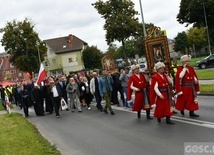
37, 45
144, 29
208, 38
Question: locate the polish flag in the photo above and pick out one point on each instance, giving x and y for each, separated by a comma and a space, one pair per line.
42, 74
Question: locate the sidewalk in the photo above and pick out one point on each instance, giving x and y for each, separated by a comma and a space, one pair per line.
15, 109
206, 81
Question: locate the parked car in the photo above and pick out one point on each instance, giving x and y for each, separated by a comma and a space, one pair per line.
207, 62
143, 65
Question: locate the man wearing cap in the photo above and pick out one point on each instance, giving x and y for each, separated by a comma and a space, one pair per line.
160, 94
137, 83
187, 87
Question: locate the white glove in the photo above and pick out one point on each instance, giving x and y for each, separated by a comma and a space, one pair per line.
83, 88
153, 106
130, 101
136, 89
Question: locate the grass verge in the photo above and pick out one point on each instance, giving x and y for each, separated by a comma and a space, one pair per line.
20, 137
207, 88
1, 107
205, 74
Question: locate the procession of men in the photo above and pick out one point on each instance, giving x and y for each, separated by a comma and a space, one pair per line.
151, 92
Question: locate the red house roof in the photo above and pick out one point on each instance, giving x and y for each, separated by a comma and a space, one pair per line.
65, 44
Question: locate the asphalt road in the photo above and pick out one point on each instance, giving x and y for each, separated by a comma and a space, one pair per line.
95, 133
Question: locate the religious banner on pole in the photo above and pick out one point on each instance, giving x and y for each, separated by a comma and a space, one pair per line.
108, 63
157, 49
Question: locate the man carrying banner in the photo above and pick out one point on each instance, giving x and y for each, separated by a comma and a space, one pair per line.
138, 84
160, 94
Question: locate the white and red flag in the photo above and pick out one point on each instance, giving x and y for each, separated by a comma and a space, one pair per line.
42, 74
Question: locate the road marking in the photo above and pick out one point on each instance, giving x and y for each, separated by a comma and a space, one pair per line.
191, 121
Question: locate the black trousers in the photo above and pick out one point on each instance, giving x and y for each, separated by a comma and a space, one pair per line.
56, 104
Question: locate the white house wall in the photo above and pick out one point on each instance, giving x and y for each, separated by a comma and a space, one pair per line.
71, 62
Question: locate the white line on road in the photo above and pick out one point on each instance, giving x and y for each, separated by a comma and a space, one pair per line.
191, 121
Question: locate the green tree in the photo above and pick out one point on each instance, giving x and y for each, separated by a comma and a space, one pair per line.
181, 42
197, 36
120, 20
23, 44
114, 52
192, 12
92, 57
135, 44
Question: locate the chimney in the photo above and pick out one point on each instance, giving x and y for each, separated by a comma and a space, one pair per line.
70, 39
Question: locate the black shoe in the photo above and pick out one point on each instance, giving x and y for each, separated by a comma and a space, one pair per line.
105, 111
112, 113
168, 121
148, 114
182, 113
192, 114
149, 117
101, 110
67, 109
139, 114
159, 120
80, 111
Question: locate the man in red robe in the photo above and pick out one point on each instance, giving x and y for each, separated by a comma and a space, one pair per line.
138, 84
160, 94
187, 87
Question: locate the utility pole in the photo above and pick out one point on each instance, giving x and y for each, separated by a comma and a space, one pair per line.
208, 38
144, 29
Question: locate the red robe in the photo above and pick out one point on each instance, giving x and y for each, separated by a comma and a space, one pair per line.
187, 99
162, 108
139, 83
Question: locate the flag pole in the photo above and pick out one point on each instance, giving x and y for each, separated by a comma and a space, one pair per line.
144, 29
37, 45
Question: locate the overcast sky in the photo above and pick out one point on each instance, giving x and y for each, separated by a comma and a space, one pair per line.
55, 18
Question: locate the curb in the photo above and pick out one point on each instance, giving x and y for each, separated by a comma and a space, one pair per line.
204, 94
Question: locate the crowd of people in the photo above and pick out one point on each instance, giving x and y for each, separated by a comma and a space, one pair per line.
135, 88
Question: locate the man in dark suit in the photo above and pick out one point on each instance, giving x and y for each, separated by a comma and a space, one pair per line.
62, 85
55, 95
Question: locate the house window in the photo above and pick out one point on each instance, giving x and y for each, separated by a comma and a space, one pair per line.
11, 72
20, 74
47, 64
3, 73
11, 65
54, 61
13, 79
